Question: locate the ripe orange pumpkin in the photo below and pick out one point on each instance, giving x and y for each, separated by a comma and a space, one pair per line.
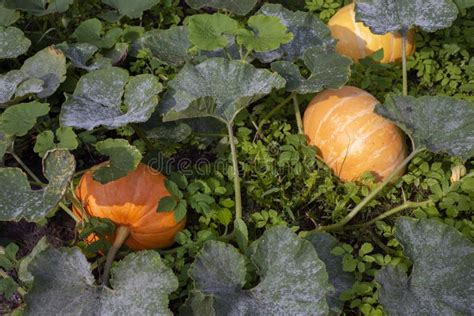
351, 138
132, 202
355, 40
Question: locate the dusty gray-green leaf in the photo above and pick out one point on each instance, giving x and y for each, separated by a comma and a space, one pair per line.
324, 243
443, 268
5, 144
39, 7
239, 7
384, 16
440, 124
170, 131
18, 119
124, 158
64, 284
23, 274
17, 199
169, 46
329, 70
97, 99
266, 33
80, 55
308, 31
13, 42
40, 74
8, 16
293, 280
91, 31
211, 31
132, 9
217, 88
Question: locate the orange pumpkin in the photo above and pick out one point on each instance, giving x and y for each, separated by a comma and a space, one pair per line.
132, 202
356, 41
351, 138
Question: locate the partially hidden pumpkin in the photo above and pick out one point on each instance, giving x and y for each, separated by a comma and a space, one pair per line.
132, 202
355, 40
350, 137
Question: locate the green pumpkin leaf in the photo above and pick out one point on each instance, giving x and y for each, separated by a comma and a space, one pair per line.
384, 16
440, 124
133, 9
17, 120
39, 7
464, 4
239, 7
308, 31
8, 16
40, 74
180, 211
329, 70
197, 304
91, 31
23, 274
267, 33
170, 46
211, 31
293, 280
66, 137
124, 158
443, 267
217, 88
79, 54
167, 204
241, 234
170, 132
132, 291
18, 201
5, 144
97, 99
324, 243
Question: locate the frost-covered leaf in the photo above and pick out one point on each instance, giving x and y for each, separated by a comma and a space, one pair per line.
91, 31
266, 33
308, 31
17, 120
293, 280
66, 139
39, 7
13, 42
132, 9
124, 158
239, 7
169, 46
383, 16
18, 201
439, 123
97, 99
41, 74
64, 285
324, 243
80, 55
211, 31
443, 269
170, 132
8, 16
218, 88
328, 70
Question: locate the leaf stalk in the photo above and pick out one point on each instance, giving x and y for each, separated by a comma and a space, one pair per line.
235, 165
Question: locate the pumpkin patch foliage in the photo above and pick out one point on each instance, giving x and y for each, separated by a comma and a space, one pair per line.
223, 157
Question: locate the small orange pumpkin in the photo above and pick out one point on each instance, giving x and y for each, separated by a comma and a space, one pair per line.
351, 138
355, 40
131, 202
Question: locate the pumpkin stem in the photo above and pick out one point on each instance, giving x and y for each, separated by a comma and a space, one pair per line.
121, 234
235, 165
404, 64
299, 121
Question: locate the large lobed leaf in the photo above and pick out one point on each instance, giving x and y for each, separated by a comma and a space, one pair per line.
18, 119
383, 16
17, 199
13, 42
40, 74
442, 274
329, 70
293, 280
308, 31
64, 285
217, 88
97, 99
91, 32
80, 55
8, 16
439, 124
132, 9
239, 7
39, 7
